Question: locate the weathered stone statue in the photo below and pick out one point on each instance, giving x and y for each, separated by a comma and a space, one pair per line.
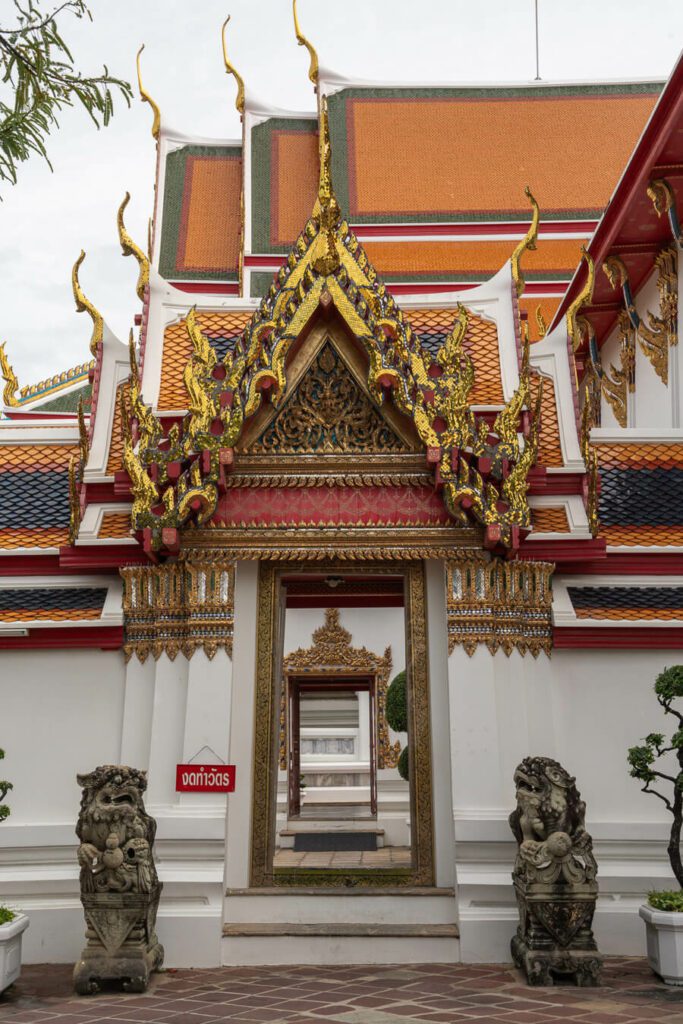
554, 877
119, 885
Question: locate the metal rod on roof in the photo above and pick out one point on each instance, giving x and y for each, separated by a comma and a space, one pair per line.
538, 73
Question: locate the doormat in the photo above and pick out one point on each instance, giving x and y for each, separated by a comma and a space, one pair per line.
323, 842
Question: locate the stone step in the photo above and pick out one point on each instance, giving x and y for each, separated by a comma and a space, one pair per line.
308, 905
326, 943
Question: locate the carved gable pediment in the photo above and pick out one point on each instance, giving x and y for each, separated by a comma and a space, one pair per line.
329, 412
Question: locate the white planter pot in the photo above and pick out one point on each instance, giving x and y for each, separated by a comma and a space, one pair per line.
10, 949
664, 943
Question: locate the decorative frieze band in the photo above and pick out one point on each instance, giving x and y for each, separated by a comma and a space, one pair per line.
178, 607
500, 604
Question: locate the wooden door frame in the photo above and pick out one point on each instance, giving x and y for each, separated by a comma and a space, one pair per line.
267, 736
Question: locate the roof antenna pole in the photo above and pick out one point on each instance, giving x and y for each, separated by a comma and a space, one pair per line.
538, 73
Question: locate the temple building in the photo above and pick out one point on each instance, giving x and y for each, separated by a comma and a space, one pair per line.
401, 394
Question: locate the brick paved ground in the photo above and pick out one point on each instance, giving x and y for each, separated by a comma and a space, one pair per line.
353, 995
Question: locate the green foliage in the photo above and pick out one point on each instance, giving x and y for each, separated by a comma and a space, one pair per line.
6, 915
669, 684
664, 778
403, 764
397, 704
40, 79
666, 900
4, 790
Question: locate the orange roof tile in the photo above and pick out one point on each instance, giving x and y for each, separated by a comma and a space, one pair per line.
549, 447
629, 614
50, 614
27, 537
554, 258
530, 305
115, 525
643, 536
481, 344
472, 151
115, 459
549, 520
178, 349
35, 457
294, 169
640, 455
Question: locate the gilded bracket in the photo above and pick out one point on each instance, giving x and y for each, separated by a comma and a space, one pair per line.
527, 243
84, 305
146, 98
314, 67
232, 70
576, 325
664, 201
654, 339
129, 248
10, 378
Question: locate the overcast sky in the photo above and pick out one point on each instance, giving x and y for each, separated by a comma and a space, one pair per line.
48, 217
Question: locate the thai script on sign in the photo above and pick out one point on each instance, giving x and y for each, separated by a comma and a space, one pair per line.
202, 778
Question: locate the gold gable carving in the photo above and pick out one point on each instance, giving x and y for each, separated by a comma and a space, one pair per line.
328, 412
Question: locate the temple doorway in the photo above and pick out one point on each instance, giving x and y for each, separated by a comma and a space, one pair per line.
331, 748
337, 803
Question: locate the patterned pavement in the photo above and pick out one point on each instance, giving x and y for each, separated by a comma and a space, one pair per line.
353, 995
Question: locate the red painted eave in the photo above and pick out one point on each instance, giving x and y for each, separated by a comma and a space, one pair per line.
633, 182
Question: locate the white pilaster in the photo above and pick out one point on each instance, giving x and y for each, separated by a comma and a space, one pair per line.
241, 742
437, 658
209, 688
168, 729
138, 705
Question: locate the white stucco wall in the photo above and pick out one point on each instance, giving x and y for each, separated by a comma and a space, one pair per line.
585, 708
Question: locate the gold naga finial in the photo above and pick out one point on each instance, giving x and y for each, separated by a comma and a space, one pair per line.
575, 330
326, 209
84, 305
232, 70
146, 98
74, 501
83, 440
129, 248
301, 39
9, 397
528, 242
540, 322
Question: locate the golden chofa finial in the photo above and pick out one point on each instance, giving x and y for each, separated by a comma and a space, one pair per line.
577, 325
129, 248
303, 41
84, 305
232, 70
10, 378
528, 242
326, 209
146, 98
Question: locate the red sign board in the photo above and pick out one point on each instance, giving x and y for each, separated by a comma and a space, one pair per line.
205, 778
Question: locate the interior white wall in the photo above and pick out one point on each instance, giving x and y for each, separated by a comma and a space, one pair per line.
584, 708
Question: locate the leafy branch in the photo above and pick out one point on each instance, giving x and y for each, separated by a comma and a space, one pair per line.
643, 758
37, 68
4, 790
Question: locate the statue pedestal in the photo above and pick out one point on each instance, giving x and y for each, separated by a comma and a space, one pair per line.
121, 941
554, 938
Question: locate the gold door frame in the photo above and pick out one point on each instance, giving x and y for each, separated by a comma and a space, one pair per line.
267, 741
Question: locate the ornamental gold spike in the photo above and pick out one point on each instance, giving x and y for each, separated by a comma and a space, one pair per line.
232, 70
84, 305
540, 322
10, 378
83, 440
528, 242
325, 258
303, 41
146, 98
574, 329
129, 248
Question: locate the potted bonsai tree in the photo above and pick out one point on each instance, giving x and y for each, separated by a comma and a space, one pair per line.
658, 764
12, 923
